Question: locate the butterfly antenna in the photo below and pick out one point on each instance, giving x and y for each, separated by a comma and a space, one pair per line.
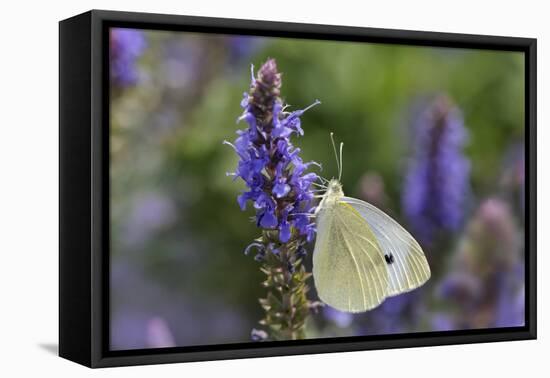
335, 153
341, 162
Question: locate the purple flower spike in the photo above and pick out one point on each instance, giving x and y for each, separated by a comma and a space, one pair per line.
269, 164
437, 180
281, 192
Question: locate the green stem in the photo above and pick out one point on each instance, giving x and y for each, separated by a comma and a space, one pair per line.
286, 305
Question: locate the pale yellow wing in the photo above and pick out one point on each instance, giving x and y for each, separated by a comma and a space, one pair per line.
409, 268
348, 266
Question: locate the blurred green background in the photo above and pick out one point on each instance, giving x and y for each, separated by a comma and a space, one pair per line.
178, 273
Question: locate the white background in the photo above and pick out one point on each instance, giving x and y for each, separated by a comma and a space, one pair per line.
29, 187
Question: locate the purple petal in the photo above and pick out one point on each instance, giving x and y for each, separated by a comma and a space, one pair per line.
264, 201
268, 219
310, 234
244, 101
284, 232
242, 199
292, 123
281, 189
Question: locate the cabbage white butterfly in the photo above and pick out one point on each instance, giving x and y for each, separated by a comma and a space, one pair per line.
361, 255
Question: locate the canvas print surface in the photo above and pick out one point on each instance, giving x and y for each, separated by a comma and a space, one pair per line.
267, 189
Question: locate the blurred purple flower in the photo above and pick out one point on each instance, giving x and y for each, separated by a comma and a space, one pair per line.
513, 173
150, 213
461, 286
396, 314
127, 45
258, 335
269, 164
341, 319
510, 308
396, 305
443, 322
437, 179
485, 286
182, 65
128, 329
496, 238
241, 47
158, 334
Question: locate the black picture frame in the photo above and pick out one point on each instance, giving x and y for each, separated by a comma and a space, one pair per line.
84, 188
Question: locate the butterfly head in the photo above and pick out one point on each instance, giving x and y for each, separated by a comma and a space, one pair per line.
334, 189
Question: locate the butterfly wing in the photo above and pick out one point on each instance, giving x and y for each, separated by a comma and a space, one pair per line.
409, 268
348, 266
